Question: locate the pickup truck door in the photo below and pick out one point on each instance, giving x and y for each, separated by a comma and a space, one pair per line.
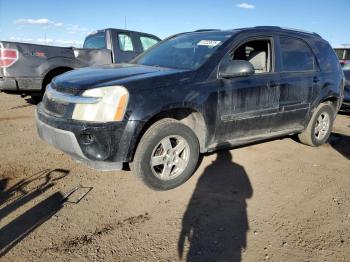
299, 79
125, 46
248, 104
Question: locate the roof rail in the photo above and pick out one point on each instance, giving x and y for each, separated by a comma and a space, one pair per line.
268, 27
300, 30
204, 30
288, 28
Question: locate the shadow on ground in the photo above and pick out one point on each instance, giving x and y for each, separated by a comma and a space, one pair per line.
340, 143
29, 102
22, 193
216, 222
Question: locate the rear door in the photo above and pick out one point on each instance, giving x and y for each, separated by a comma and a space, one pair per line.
299, 76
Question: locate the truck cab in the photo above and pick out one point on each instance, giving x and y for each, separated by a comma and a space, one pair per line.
123, 45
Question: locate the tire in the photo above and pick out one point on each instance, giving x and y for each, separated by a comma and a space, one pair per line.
36, 98
318, 129
159, 162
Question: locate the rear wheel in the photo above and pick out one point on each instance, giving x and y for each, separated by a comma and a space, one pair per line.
167, 155
37, 98
320, 126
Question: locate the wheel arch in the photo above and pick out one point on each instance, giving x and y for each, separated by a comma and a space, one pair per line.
53, 72
187, 116
333, 101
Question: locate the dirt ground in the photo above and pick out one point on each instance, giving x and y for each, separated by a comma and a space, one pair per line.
272, 201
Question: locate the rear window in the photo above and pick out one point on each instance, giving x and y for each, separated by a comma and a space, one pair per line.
95, 41
296, 55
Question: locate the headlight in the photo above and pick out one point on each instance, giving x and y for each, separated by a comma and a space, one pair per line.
110, 106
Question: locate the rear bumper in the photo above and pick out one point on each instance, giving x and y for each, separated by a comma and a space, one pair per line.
20, 84
8, 84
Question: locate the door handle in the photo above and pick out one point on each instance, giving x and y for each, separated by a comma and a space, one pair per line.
316, 79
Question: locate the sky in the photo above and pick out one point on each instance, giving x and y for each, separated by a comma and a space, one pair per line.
67, 22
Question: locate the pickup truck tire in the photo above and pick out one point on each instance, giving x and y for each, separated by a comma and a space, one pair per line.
37, 98
320, 126
166, 155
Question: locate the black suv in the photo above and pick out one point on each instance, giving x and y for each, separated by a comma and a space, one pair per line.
193, 93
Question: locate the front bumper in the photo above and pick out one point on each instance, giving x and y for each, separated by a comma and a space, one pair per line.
102, 146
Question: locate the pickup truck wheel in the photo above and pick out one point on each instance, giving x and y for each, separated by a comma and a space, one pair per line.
167, 155
37, 98
320, 126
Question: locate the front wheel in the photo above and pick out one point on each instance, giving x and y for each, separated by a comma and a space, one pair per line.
320, 126
167, 155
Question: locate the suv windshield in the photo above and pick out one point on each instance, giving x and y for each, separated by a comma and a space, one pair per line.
186, 51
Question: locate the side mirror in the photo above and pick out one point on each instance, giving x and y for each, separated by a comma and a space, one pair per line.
235, 68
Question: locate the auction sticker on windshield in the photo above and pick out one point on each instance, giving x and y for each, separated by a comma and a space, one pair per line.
209, 42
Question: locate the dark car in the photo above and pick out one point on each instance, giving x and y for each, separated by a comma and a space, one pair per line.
194, 93
346, 101
26, 69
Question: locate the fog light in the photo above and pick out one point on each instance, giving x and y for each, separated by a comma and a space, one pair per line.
87, 139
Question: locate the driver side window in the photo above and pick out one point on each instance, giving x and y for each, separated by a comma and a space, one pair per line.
257, 52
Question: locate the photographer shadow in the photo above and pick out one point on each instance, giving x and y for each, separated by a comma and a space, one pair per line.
216, 222
22, 193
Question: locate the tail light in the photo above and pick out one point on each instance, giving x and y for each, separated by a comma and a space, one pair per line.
8, 57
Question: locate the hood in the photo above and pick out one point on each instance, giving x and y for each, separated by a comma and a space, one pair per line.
91, 77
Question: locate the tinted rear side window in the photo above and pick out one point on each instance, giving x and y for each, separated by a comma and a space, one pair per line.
327, 59
296, 55
96, 41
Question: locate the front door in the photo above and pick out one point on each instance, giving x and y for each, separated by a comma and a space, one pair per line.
248, 104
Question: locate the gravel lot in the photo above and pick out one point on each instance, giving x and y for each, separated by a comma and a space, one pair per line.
272, 201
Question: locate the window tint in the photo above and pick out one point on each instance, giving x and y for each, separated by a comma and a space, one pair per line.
296, 55
125, 43
147, 42
96, 41
327, 58
340, 53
